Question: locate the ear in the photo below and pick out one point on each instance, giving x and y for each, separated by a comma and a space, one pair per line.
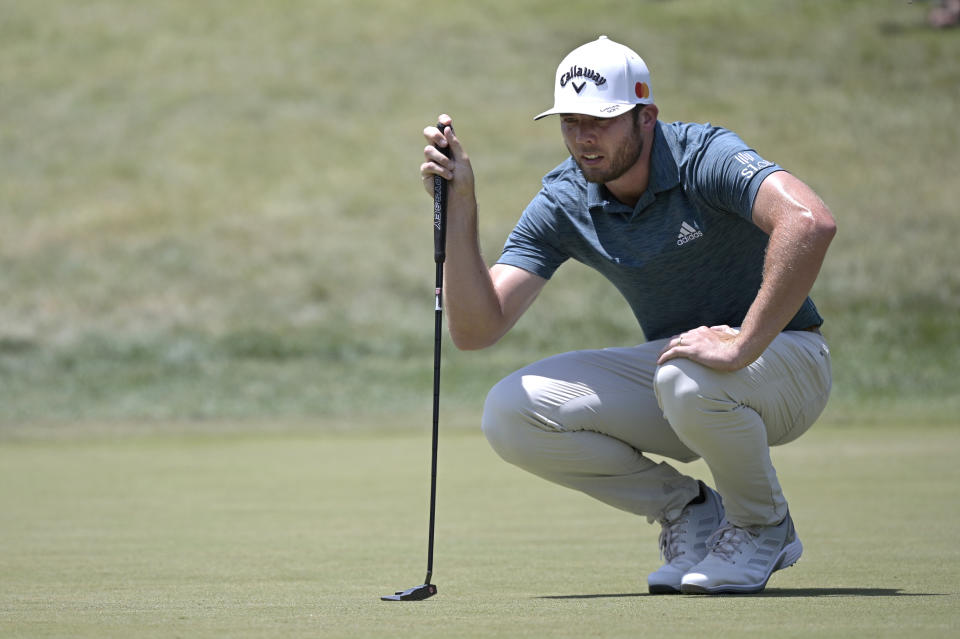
648, 117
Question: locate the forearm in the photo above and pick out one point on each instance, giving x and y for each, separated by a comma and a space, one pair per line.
474, 312
482, 304
794, 256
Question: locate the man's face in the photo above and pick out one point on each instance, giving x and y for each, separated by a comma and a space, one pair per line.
603, 148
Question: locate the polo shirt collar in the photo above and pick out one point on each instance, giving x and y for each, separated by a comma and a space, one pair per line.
664, 175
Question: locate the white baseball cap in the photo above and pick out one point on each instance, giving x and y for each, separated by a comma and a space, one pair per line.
601, 78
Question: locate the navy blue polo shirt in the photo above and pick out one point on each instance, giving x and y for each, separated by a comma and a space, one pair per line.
686, 255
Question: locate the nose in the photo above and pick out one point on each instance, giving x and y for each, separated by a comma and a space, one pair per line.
584, 132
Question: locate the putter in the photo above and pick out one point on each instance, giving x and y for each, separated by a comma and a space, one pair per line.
427, 589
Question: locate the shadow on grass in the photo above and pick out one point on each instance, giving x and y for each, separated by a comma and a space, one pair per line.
779, 592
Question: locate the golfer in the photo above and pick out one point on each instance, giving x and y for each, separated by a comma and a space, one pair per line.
715, 248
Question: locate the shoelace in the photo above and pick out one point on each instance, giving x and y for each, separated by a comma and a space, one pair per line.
670, 539
726, 540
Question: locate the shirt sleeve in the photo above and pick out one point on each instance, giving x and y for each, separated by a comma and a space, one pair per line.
726, 173
533, 245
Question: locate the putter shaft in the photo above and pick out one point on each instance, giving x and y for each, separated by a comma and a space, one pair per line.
427, 589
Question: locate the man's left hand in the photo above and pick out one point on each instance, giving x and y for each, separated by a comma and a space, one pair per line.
716, 347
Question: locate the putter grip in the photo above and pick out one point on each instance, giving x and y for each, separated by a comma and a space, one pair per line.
440, 213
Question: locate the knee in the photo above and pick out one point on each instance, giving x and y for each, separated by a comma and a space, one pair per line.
675, 389
686, 392
502, 419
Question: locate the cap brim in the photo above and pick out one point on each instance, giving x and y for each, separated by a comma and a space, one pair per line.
597, 109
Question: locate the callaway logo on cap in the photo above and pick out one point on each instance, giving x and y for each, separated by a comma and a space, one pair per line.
601, 78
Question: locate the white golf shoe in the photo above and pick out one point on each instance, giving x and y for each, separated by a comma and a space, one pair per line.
683, 541
741, 560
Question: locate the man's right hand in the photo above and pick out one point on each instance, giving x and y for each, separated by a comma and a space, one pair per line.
456, 169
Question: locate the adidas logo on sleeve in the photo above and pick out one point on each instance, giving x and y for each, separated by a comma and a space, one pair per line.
688, 234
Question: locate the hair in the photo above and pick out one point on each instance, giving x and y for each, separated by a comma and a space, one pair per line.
636, 112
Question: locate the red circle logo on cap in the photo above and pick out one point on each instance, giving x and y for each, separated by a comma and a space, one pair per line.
642, 90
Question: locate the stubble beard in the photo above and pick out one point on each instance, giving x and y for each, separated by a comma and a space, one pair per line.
623, 160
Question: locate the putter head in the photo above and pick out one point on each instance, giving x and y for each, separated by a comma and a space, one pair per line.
417, 593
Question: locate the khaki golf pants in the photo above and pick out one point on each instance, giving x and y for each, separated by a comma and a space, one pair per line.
587, 420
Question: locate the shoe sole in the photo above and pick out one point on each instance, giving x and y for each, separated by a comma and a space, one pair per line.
663, 589
788, 557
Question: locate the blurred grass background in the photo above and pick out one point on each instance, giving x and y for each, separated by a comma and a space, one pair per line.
211, 212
